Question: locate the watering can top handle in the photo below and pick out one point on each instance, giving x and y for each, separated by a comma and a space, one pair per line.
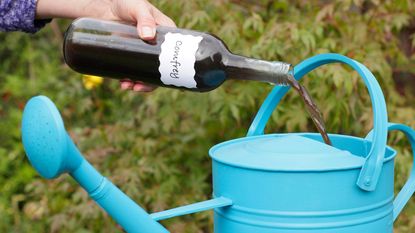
370, 172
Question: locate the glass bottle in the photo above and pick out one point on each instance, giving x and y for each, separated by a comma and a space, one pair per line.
176, 58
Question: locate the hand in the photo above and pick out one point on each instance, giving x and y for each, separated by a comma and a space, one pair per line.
138, 11
127, 84
141, 12
147, 17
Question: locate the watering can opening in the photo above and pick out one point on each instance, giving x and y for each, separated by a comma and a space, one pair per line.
295, 152
355, 145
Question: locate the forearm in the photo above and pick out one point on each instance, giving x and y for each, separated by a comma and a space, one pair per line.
71, 9
19, 15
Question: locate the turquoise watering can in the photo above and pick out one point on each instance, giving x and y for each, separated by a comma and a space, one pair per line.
270, 183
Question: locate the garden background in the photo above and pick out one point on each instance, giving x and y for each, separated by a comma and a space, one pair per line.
155, 146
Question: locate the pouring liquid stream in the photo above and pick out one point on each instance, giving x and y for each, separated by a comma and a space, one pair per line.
311, 107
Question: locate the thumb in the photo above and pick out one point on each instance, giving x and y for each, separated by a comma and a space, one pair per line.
146, 25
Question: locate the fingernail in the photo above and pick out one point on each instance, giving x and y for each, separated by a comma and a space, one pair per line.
147, 32
137, 87
125, 85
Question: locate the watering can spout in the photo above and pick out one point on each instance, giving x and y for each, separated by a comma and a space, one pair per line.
51, 152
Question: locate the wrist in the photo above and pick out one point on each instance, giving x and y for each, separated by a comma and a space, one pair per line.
72, 9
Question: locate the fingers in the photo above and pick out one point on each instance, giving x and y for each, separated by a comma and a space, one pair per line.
146, 24
143, 87
136, 86
144, 14
126, 84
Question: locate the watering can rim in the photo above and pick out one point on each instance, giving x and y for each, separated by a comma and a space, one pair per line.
390, 154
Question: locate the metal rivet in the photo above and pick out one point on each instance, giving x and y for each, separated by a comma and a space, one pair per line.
367, 181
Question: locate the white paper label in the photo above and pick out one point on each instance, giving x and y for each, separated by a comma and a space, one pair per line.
177, 59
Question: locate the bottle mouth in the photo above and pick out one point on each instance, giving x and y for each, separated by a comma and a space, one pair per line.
282, 72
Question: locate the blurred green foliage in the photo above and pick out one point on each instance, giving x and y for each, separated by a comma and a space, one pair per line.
155, 146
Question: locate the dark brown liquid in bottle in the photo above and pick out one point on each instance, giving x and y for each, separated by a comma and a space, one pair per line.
311, 107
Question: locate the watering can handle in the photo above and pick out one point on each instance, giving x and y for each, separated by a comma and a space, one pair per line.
409, 188
370, 172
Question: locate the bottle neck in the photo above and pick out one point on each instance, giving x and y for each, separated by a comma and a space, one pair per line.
244, 68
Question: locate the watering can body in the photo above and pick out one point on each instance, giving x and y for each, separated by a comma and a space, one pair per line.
321, 196
271, 183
